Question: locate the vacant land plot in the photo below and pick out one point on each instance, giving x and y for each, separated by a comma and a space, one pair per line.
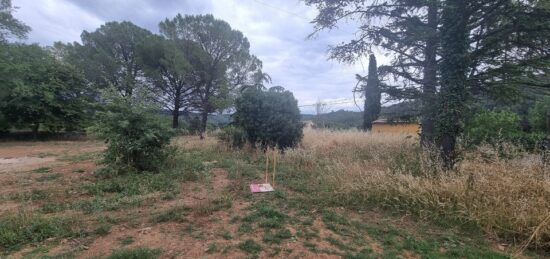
350, 195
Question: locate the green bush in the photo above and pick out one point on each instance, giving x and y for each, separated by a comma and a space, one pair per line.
136, 139
496, 127
537, 115
233, 137
270, 118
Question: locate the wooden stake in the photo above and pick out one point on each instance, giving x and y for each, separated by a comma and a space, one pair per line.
266, 165
274, 167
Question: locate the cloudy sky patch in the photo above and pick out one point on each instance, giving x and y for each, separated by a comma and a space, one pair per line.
277, 31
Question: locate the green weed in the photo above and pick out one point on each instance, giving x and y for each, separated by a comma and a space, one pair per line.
250, 246
176, 214
49, 177
136, 253
26, 227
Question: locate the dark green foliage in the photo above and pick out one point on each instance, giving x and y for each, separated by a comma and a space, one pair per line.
270, 118
228, 65
233, 137
38, 90
172, 67
136, 253
537, 115
108, 56
495, 127
372, 95
136, 139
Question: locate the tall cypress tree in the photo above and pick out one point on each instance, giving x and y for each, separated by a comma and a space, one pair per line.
372, 95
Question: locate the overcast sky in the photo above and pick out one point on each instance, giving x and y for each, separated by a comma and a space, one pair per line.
276, 29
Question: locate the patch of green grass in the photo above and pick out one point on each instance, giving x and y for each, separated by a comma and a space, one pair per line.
34, 194
127, 240
250, 246
209, 206
49, 177
176, 214
277, 237
24, 228
53, 207
42, 170
38, 252
103, 229
338, 243
266, 215
136, 253
79, 170
79, 157
225, 234
99, 204
245, 228
212, 248
133, 184
188, 166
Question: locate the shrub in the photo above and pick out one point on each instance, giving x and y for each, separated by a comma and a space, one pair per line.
537, 115
495, 127
136, 139
271, 118
233, 137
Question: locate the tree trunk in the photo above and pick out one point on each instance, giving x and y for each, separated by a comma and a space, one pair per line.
176, 111
453, 94
204, 119
205, 109
430, 79
35, 128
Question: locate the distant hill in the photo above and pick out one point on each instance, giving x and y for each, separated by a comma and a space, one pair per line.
341, 119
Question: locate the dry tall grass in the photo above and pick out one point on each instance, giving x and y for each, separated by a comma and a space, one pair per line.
509, 198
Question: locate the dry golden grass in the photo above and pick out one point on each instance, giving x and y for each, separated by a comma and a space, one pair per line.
509, 198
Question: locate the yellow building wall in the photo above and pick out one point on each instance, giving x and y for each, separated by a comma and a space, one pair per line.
398, 128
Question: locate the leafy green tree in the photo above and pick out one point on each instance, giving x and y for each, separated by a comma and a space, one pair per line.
136, 139
229, 64
372, 95
9, 26
39, 90
270, 118
494, 127
172, 68
108, 56
537, 115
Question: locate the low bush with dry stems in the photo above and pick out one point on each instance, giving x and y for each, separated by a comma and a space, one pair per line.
506, 196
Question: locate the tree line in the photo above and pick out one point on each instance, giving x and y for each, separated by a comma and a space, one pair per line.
449, 55
196, 64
